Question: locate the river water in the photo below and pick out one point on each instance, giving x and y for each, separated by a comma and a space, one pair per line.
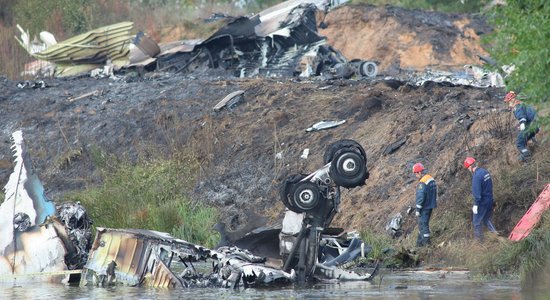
387, 285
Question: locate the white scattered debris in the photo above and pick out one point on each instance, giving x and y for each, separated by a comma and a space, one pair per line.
325, 125
472, 76
48, 38
230, 100
305, 153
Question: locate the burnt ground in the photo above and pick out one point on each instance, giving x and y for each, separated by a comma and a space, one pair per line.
438, 124
240, 145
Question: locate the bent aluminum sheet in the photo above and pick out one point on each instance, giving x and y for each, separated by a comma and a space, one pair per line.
135, 255
87, 51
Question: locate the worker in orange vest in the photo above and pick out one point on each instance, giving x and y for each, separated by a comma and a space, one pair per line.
426, 201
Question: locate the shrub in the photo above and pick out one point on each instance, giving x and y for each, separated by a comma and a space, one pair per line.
517, 41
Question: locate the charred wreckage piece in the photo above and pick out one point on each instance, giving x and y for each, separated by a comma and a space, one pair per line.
155, 259
281, 41
43, 242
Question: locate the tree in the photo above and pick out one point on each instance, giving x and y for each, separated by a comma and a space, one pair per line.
521, 38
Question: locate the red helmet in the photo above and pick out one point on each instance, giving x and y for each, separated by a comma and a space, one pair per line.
469, 161
418, 167
511, 95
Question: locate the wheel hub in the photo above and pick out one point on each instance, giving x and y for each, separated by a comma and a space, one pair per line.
349, 165
306, 196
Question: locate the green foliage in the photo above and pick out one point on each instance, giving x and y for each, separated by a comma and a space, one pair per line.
521, 38
527, 257
99, 157
536, 249
379, 243
150, 195
39, 15
198, 221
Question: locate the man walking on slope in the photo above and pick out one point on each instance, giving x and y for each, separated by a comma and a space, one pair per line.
426, 200
482, 190
527, 117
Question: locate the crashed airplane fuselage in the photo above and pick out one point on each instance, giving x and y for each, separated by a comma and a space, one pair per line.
44, 242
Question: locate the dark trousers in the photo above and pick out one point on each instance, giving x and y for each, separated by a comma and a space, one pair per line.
483, 217
521, 141
423, 227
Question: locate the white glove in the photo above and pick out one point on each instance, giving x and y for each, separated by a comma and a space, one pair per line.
417, 213
522, 126
474, 209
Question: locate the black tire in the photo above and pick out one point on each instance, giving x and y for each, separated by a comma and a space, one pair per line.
305, 196
348, 168
286, 190
345, 143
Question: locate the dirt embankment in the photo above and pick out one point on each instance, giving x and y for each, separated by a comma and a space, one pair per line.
437, 124
400, 39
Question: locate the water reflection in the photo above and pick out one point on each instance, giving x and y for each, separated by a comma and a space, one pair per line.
403, 285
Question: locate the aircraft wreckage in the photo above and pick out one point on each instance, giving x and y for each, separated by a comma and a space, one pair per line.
281, 41
44, 242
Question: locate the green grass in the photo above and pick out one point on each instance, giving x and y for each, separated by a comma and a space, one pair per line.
378, 242
534, 257
527, 258
150, 195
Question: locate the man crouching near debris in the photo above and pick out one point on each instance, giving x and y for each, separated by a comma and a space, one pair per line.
426, 200
528, 124
482, 190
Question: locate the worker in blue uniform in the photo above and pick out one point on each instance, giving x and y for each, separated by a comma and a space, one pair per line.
482, 190
528, 123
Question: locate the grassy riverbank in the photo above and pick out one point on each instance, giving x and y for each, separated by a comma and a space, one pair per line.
150, 194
